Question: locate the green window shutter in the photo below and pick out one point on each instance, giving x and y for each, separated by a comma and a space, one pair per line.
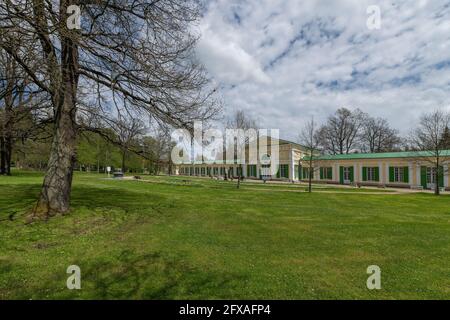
330, 173
406, 174
351, 174
391, 174
377, 174
364, 173
321, 173
341, 175
423, 176
441, 176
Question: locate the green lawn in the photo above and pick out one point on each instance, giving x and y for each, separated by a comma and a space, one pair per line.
162, 239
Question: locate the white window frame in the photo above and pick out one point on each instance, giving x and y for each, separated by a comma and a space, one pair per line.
346, 173
284, 171
371, 173
399, 174
431, 175
326, 171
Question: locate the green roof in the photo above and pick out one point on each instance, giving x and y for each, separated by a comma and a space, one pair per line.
385, 155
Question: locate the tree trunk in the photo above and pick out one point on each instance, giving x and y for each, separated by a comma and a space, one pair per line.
436, 184
2, 156
8, 154
124, 154
311, 171
56, 189
8, 123
239, 176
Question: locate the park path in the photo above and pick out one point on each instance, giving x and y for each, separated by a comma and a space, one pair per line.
300, 189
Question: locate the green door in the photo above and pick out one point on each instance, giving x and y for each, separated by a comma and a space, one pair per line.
406, 174
441, 176
423, 176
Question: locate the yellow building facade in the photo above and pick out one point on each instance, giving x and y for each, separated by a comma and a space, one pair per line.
395, 169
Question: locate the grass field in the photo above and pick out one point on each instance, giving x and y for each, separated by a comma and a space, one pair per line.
164, 239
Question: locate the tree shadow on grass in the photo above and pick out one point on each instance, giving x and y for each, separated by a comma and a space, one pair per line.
153, 276
126, 200
19, 199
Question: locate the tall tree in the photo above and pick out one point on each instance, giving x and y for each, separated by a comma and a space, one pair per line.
377, 136
309, 138
128, 131
129, 54
19, 105
445, 140
242, 122
341, 132
427, 137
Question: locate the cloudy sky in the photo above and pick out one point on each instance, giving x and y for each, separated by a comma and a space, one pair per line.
284, 61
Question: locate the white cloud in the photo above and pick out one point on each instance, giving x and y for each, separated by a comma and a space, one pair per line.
286, 60
226, 60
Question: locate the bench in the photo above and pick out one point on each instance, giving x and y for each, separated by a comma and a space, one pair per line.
118, 174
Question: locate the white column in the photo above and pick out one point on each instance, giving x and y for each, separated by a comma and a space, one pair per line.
410, 174
354, 174
360, 172
386, 172
380, 172
446, 174
336, 173
291, 166
244, 170
418, 175
257, 170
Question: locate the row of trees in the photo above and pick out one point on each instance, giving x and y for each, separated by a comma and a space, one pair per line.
349, 131
128, 59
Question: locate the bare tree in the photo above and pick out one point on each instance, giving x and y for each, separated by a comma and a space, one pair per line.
156, 148
133, 55
428, 139
8, 87
244, 122
128, 131
341, 132
445, 140
19, 109
309, 138
377, 136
